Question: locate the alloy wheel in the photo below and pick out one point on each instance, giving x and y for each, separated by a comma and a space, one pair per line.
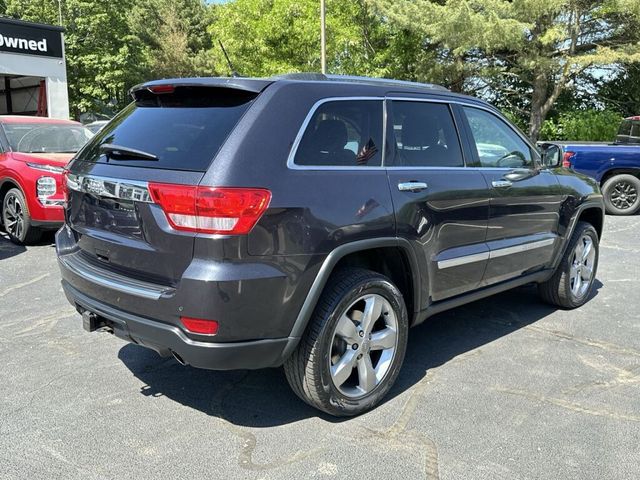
364, 345
13, 215
624, 195
582, 266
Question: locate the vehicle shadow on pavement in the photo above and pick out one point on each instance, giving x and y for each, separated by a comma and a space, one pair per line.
262, 398
9, 249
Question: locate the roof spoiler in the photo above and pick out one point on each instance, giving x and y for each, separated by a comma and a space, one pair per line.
252, 85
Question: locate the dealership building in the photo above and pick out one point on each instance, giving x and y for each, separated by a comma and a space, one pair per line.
33, 74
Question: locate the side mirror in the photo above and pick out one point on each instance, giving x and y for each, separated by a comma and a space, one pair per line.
551, 155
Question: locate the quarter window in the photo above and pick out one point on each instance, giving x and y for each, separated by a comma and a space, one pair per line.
425, 135
345, 133
498, 145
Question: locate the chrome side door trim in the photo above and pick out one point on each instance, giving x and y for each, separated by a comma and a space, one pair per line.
131, 190
525, 247
457, 261
500, 252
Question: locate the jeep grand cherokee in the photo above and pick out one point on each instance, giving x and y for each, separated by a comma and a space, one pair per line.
309, 221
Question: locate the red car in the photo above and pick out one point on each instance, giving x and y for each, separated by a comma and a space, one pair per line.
33, 153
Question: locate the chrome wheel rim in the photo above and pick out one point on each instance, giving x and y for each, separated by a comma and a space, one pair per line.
582, 266
624, 195
13, 216
363, 345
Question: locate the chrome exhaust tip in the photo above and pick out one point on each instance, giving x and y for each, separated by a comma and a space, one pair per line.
178, 358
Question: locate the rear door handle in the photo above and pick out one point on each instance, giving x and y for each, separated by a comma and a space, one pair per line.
412, 186
501, 183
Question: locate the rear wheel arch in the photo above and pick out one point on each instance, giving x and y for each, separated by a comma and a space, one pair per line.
619, 171
392, 262
360, 253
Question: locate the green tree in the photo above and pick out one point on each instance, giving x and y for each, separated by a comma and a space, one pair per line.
174, 35
531, 50
267, 37
623, 91
103, 58
583, 125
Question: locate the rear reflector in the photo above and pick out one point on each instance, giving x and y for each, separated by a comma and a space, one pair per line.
566, 159
198, 325
229, 211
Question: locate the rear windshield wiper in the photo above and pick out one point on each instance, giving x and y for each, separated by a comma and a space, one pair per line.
118, 152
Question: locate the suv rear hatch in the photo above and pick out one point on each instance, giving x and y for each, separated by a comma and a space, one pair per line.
170, 134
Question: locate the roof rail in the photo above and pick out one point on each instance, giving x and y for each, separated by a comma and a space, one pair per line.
319, 77
383, 81
302, 76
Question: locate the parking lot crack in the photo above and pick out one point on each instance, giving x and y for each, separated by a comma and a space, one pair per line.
573, 406
17, 286
607, 346
249, 440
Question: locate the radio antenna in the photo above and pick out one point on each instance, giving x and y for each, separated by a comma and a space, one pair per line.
233, 70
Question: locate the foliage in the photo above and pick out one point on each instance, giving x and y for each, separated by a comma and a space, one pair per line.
622, 92
526, 52
583, 125
537, 60
174, 35
269, 37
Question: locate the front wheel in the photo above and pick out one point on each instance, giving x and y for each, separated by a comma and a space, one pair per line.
622, 195
572, 282
354, 346
16, 218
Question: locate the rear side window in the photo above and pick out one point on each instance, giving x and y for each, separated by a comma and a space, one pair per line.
183, 129
425, 135
345, 133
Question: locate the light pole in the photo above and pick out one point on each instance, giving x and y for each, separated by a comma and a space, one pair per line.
323, 39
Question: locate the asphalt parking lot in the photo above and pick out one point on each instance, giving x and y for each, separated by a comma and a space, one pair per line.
505, 388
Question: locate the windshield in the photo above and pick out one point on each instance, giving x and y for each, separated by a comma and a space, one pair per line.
46, 137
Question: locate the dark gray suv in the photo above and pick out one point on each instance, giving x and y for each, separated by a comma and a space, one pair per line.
309, 221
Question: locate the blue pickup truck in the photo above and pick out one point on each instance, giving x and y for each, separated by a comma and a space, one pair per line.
616, 166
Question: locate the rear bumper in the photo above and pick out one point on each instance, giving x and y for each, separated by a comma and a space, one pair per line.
167, 339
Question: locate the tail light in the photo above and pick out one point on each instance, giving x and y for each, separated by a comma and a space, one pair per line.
229, 211
199, 325
566, 159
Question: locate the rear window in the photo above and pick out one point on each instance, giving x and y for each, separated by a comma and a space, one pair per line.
629, 132
184, 129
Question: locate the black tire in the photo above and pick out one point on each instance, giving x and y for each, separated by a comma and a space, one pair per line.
622, 194
558, 289
17, 220
308, 370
